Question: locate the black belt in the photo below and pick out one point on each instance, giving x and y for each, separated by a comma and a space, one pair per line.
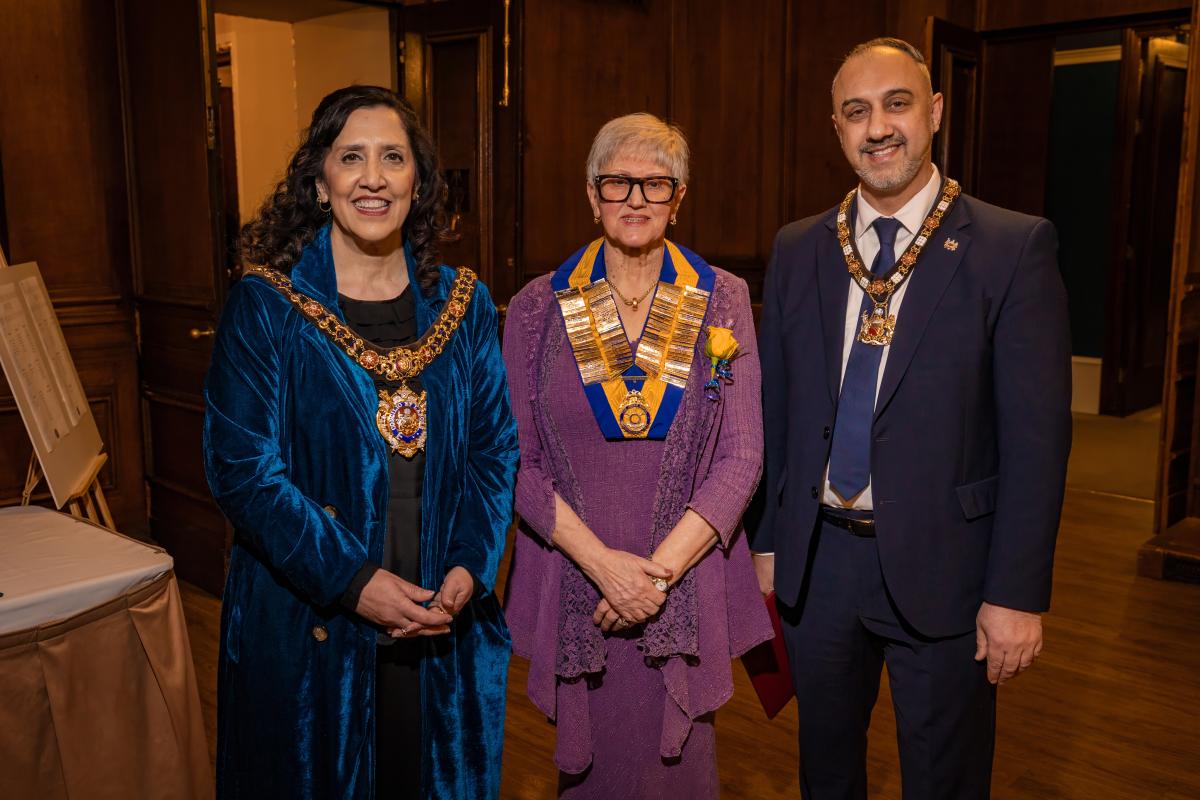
857, 523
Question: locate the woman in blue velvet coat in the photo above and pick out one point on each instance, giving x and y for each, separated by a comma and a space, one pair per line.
360, 439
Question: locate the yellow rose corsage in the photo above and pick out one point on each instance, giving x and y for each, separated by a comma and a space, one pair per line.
721, 348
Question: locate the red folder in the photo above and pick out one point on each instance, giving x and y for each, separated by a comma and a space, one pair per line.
768, 668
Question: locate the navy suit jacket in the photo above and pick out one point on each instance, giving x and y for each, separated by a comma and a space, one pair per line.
972, 424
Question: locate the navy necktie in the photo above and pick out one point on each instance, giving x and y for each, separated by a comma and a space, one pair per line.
850, 456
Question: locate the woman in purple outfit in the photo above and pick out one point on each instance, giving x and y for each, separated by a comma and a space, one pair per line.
635, 379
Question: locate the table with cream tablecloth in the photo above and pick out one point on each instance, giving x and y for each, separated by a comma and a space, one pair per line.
98, 692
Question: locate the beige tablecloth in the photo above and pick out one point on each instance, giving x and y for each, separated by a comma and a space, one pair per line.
102, 704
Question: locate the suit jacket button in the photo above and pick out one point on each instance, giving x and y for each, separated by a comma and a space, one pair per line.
825, 433
319, 633
814, 493
331, 511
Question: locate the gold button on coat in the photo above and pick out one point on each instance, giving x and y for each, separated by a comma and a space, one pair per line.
331, 511
319, 633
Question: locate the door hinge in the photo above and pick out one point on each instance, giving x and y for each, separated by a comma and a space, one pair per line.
211, 121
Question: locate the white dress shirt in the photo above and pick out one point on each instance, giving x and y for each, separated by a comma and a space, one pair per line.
910, 218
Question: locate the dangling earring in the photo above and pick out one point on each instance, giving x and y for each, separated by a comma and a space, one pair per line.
673, 220
417, 196
324, 205
596, 220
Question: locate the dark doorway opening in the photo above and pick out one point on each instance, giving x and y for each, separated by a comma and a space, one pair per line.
1112, 169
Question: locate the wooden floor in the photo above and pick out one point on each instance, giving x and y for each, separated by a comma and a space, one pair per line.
1110, 711
1097, 438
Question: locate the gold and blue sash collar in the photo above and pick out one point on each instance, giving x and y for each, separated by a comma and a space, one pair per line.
633, 396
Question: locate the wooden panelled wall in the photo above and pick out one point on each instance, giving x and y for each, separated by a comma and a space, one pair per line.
750, 90
65, 206
1002, 14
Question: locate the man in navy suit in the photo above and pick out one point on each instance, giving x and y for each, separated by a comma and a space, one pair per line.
916, 380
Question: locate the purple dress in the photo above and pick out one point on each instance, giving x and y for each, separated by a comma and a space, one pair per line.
628, 725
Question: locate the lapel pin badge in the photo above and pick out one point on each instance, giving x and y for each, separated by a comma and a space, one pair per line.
950, 244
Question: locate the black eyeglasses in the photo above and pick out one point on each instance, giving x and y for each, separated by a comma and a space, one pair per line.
618, 188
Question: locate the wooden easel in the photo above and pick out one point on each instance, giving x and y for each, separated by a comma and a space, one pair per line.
85, 499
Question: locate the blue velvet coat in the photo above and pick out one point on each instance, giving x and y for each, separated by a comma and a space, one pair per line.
296, 463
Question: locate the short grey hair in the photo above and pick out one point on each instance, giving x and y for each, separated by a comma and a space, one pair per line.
890, 43
643, 136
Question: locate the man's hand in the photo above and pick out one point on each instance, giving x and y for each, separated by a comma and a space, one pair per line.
395, 604
1009, 639
764, 568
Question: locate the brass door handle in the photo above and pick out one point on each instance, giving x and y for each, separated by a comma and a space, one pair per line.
201, 333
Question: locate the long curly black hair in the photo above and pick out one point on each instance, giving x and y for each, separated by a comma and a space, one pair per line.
290, 218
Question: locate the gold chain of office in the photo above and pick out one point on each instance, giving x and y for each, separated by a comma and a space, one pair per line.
397, 363
878, 326
881, 288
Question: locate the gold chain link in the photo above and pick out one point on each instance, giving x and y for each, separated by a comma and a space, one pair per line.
398, 363
881, 288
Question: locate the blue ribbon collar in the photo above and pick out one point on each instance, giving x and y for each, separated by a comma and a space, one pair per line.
633, 395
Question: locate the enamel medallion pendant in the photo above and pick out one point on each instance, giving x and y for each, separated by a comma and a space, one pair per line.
634, 416
401, 420
877, 327
401, 415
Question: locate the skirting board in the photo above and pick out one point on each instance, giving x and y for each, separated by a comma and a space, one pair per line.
1085, 385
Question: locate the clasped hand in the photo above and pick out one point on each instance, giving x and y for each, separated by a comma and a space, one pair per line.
628, 594
396, 605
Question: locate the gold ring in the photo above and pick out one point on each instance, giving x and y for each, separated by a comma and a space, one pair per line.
404, 631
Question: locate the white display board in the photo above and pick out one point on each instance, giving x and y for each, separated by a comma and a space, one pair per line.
44, 382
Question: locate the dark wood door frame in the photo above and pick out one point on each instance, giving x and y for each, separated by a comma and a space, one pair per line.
955, 68
1119, 343
1177, 498
482, 195
500, 22
172, 135
1122, 376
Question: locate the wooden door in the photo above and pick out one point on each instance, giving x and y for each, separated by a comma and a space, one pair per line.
1015, 102
1154, 75
178, 276
954, 57
459, 69
1178, 496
